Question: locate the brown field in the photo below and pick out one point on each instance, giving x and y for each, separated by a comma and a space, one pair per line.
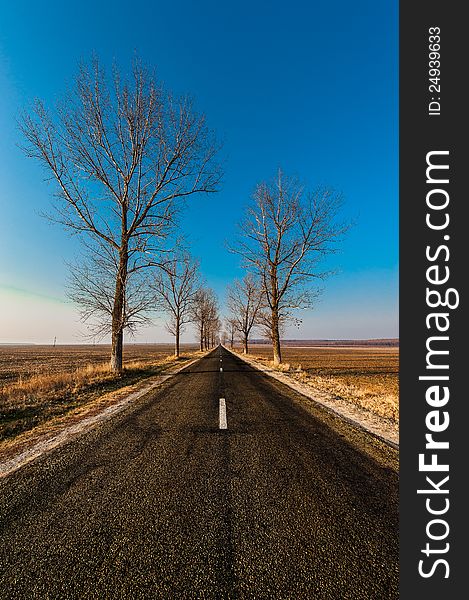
24, 361
38, 383
367, 376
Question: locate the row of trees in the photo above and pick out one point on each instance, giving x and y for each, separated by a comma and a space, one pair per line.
125, 156
180, 294
174, 289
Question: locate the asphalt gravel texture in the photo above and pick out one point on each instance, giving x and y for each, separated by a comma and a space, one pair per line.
159, 502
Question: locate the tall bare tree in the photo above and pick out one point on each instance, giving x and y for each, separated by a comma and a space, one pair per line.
244, 301
204, 315
175, 286
285, 235
124, 154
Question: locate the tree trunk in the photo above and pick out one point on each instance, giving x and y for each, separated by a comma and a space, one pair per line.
117, 337
276, 339
117, 346
245, 348
232, 340
201, 338
176, 349
275, 333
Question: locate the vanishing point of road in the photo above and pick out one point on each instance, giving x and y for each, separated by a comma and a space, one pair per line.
218, 484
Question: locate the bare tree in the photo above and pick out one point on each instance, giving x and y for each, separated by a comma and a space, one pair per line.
284, 236
244, 301
212, 322
213, 331
124, 154
223, 335
204, 315
230, 325
175, 286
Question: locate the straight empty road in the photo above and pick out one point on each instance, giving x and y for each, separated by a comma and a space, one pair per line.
216, 485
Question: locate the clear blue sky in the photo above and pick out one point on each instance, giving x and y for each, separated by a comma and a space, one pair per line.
308, 86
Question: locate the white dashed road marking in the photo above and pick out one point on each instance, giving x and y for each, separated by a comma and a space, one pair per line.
223, 423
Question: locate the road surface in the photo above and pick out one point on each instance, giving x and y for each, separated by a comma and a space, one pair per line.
185, 496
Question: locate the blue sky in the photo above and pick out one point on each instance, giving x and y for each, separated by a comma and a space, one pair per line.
308, 86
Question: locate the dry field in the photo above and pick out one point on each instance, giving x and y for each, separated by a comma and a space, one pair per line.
24, 361
367, 376
38, 383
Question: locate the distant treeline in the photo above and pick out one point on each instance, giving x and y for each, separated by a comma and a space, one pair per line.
392, 342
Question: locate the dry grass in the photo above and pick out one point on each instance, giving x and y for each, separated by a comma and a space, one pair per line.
38, 383
368, 376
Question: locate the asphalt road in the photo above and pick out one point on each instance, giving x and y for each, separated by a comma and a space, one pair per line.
159, 502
